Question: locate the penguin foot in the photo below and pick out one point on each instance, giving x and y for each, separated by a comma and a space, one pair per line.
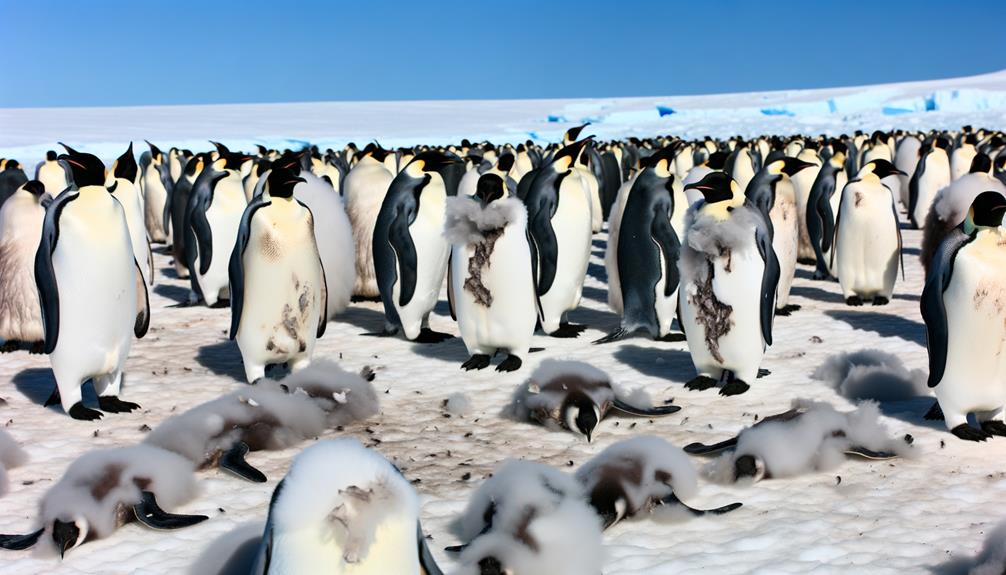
220, 303
762, 372
78, 411
672, 337
806, 261
994, 428
854, 301
787, 309
613, 336
477, 361
359, 298
113, 404
427, 335
822, 276
968, 433
536, 349
700, 383
150, 514
54, 398
734, 387
935, 413
568, 330
880, 300
37, 348
9, 346
234, 462
511, 363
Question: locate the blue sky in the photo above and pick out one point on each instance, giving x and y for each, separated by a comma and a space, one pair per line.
138, 52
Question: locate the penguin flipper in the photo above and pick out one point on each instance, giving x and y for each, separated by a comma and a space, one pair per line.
703, 449
20, 542
673, 500
934, 311
202, 233
45, 274
834, 236
655, 411
863, 452
426, 560
769, 281
235, 269
546, 248
234, 462
323, 311
662, 233
901, 250
142, 304
150, 514
405, 252
450, 285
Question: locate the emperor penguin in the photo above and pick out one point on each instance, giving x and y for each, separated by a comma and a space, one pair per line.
559, 222
55, 176
952, 203
727, 296
867, 237
822, 205
21, 218
962, 155
906, 157
277, 281
180, 192
490, 285
771, 191
582, 168
364, 189
932, 174
344, 507
155, 181
121, 184
964, 296
647, 254
410, 250
803, 181
12, 177
213, 216
91, 290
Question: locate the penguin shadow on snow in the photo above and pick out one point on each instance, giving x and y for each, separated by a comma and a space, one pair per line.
222, 358
817, 294
596, 294
169, 273
597, 272
670, 364
367, 319
451, 351
603, 320
885, 324
37, 383
177, 294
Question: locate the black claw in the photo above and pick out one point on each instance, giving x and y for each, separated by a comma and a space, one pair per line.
54, 399
113, 404
854, 301
672, 337
78, 411
613, 336
568, 330
234, 462
150, 514
700, 383
968, 433
787, 309
763, 373
427, 335
477, 361
994, 428
511, 363
734, 387
880, 300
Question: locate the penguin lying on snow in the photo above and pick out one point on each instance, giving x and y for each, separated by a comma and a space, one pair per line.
21, 218
811, 436
966, 295
642, 475
344, 507
11, 456
267, 416
528, 518
107, 488
576, 396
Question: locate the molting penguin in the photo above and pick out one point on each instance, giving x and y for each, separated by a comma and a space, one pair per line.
868, 237
53, 174
647, 254
822, 205
965, 295
216, 205
410, 250
21, 218
365, 187
803, 182
771, 191
932, 174
277, 281
121, 184
727, 294
345, 507
558, 211
155, 181
92, 293
490, 285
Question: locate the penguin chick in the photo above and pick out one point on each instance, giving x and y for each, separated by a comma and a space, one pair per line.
991, 560
344, 396
641, 476
21, 218
11, 456
872, 374
107, 488
528, 518
346, 507
811, 436
576, 396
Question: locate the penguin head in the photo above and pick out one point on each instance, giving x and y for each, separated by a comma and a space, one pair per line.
87, 169
572, 134
566, 157
838, 153
155, 153
716, 161
580, 414
716, 187
609, 500
125, 165
661, 160
881, 169
34, 187
981, 164
749, 467
987, 210
228, 160
505, 162
50, 156
282, 181
68, 534
787, 166
489, 189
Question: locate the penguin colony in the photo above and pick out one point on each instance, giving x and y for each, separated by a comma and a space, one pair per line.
705, 239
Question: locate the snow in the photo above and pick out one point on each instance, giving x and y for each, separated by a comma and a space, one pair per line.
897, 516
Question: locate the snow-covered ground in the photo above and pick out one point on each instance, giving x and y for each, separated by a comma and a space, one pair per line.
900, 516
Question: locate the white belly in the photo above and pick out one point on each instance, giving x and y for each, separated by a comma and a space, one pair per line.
393, 551
571, 224
803, 181
154, 198
132, 206
785, 243
224, 217
935, 178
867, 258
20, 231
432, 252
365, 191
334, 236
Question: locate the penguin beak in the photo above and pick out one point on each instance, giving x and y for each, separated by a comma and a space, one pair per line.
791, 166
65, 535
